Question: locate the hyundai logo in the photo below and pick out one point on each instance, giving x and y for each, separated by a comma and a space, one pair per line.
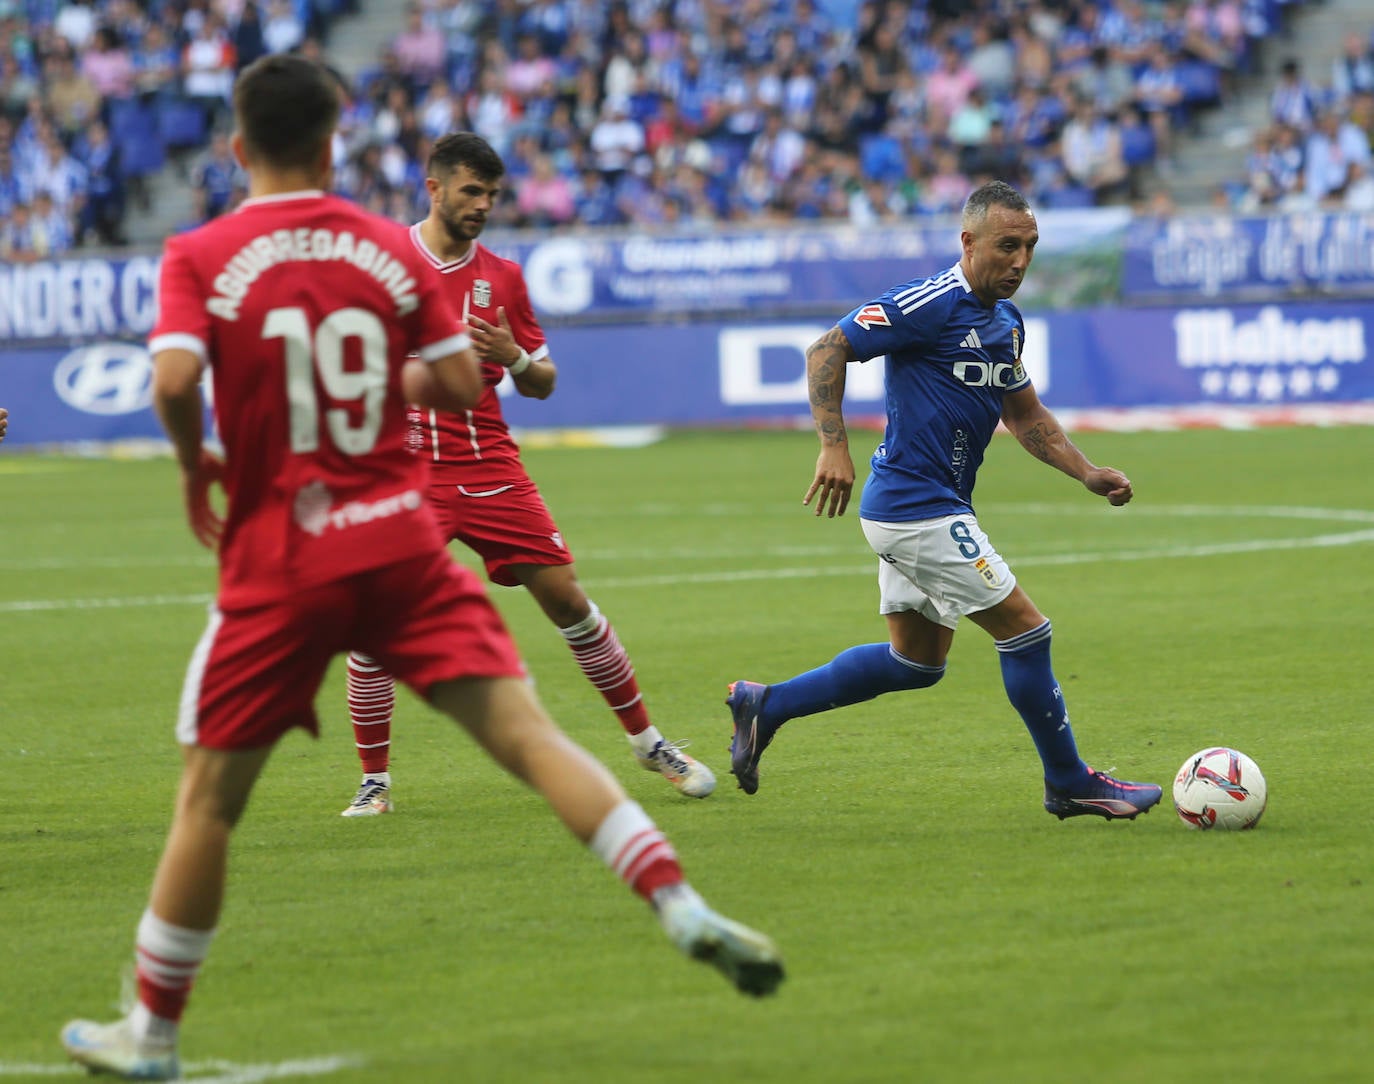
107, 378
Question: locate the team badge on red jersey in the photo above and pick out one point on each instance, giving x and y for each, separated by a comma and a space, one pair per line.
871, 316
481, 293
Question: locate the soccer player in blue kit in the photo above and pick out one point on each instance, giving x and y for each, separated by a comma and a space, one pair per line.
953, 345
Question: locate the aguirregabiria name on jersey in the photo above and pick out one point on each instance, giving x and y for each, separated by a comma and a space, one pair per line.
295, 246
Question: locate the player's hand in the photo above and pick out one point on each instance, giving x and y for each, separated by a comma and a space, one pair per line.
1110, 483
494, 342
834, 482
206, 523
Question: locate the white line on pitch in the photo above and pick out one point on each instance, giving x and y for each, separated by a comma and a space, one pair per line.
222, 1072
1350, 538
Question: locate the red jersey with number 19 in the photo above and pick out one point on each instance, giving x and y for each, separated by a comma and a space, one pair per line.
475, 448
306, 307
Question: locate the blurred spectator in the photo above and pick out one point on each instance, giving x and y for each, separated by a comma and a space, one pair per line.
779, 147
995, 158
1105, 81
1294, 101
52, 229
969, 126
420, 49
208, 64
948, 187
1092, 154
992, 60
108, 65
283, 30
157, 63
71, 99
530, 70
248, 35
103, 210
545, 198
1159, 95
217, 180
76, 22
596, 203
1353, 71
1359, 192
493, 111
16, 86
441, 111
616, 140
61, 176
1333, 147
948, 88
1362, 114
18, 243
11, 189
1033, 54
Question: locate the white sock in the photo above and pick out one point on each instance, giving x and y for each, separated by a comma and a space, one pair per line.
377, 777
645, 740
148, 1028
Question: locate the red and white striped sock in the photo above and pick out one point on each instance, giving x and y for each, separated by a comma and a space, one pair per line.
167, 958
631, 844
597, 650
371, 701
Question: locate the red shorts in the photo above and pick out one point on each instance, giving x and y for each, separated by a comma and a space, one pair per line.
255, 672
504, 525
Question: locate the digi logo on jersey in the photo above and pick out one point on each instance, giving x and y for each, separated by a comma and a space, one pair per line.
107, 378
983, 374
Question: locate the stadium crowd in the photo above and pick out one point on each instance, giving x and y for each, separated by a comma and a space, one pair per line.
662, 112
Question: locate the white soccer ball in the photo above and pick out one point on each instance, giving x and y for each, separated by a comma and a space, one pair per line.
1220, 788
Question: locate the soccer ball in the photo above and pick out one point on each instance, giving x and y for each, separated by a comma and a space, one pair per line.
1220, 788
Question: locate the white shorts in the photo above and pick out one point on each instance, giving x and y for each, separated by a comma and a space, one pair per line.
941, 568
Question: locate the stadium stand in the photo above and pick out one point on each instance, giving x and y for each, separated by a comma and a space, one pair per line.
653, 112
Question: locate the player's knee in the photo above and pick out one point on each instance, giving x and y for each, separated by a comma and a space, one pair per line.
914, 675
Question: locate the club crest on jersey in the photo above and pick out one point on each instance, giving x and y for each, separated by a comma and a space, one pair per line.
481, 293
1016, 343
871, 316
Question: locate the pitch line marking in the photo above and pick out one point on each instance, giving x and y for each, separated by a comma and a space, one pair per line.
1337, 515
221, 1072
745, 575
1350, 538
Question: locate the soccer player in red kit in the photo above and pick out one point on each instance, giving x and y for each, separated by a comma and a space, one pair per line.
479, 488
306, 309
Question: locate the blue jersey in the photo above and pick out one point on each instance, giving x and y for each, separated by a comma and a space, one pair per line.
950, 360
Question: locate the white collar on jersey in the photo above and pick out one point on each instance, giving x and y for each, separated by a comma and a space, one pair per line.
419, 242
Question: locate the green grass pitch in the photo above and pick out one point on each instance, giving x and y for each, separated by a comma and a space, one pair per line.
938, 925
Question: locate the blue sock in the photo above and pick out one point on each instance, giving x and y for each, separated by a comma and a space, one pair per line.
1036, 696
851, 677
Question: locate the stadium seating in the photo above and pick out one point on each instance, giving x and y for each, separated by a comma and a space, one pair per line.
850, 68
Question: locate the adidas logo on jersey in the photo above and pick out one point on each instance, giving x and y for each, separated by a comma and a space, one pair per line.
971, 341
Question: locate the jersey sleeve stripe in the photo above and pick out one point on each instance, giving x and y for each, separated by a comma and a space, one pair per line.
915, 303
444, 347
178, 340
938, 284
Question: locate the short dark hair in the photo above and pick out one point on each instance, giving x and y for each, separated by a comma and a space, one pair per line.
287, 108
992, 194
465, 149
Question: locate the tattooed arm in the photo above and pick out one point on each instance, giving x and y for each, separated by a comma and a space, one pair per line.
1040, 433
826, 359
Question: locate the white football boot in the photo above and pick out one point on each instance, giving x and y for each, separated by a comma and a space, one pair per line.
689, 775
